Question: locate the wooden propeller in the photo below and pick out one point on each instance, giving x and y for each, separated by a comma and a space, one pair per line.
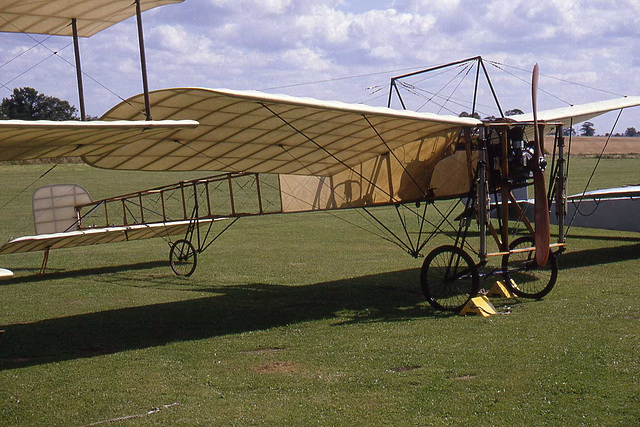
541, 205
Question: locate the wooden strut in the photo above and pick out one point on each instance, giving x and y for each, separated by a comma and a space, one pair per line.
143, 61
44, 261
76, 49
505, 191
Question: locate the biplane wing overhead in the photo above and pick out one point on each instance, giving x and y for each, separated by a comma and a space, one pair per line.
24, 140
54, 16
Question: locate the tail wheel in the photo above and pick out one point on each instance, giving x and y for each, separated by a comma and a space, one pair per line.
522, 273
183, 258
449, 278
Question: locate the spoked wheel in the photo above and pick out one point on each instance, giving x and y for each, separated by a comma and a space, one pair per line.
449, 278
530, 280
183, 258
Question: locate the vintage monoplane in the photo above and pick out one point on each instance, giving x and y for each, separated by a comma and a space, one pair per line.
286, 154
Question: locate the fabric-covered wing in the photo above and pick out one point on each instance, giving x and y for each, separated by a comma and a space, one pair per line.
94, 236
246, 131
23, 140
579, 113
54, 16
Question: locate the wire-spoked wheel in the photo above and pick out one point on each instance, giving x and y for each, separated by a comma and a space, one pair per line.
530, 280
449, 278
183, 258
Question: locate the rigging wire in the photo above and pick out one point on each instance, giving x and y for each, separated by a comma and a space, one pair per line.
414, 90
558, 79
293, 195
497, 66
24, 51
28, 186
326, 185
55, 53
4, 85
456, 88
336, 79
432, 75
467, 68
575, 212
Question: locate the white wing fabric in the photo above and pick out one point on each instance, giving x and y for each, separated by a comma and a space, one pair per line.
579, 113
54, 16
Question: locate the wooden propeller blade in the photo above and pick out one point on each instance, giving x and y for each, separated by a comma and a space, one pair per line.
542, 236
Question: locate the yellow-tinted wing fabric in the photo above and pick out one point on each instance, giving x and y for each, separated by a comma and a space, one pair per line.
256, 132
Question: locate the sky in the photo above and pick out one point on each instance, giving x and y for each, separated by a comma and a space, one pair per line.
347, 50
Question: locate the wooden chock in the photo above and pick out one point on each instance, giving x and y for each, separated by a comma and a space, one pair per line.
499, 289
479, 305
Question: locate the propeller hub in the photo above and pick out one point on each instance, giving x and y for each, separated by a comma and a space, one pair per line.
542, 162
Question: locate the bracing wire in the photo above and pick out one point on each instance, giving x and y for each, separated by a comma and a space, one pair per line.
28, 186
593, 172
495, 64
55, 53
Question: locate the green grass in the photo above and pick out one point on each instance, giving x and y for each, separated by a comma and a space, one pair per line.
304, 319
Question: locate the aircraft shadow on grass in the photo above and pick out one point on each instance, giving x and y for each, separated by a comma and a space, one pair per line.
234, 309
591, 257
58, 273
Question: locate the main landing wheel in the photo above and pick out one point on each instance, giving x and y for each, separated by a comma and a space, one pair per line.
183, 258
449, 278
530, 280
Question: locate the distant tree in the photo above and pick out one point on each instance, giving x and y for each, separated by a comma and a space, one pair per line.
27, 104
570, 131
474, 115
513, 112
631, 132
587, 129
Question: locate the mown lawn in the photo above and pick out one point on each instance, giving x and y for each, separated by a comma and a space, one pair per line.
304, 319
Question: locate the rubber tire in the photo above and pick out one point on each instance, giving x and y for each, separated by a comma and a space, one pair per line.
531, 290
436, 279
183, 258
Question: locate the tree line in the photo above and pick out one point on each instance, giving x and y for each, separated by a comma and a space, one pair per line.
27, 104
587, 128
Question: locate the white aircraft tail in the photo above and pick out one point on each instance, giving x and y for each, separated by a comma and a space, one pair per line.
54, 207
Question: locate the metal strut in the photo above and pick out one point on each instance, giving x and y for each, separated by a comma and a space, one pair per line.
143, 61
478, 59
76, 49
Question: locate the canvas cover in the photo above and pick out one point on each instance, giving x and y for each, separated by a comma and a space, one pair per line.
40, 139
329, 154
575, 114
54, 16
94, 236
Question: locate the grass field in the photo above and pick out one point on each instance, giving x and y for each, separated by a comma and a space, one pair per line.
303, 319
592, 145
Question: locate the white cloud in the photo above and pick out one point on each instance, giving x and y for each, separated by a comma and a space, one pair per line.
257, 44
